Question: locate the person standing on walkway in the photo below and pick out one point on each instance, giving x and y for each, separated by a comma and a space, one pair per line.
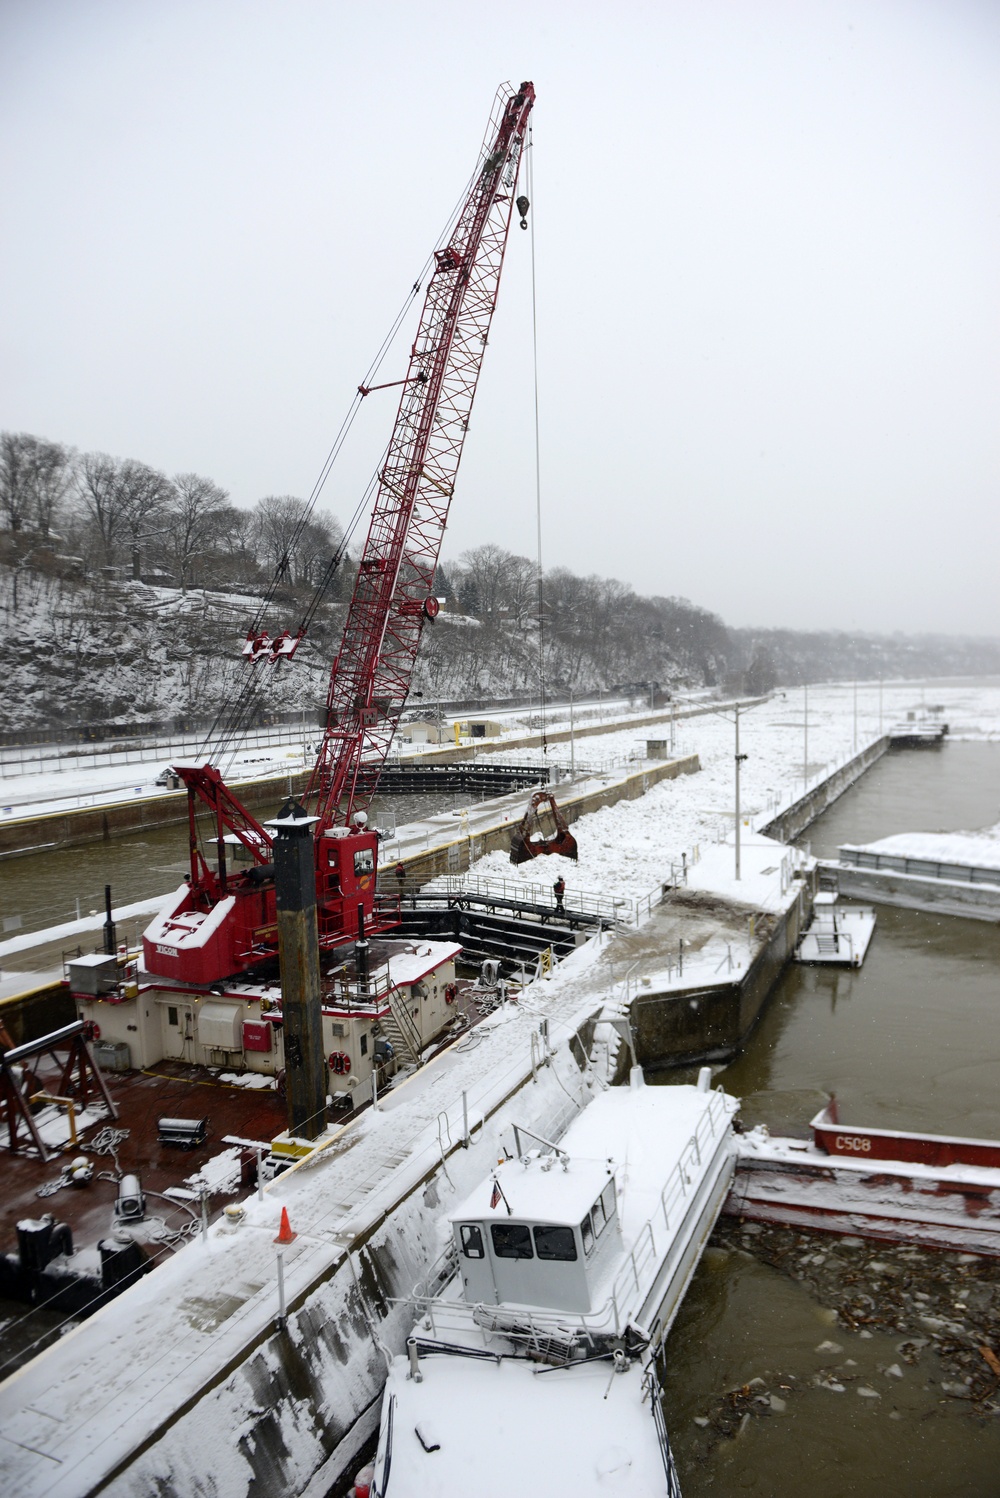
559, 889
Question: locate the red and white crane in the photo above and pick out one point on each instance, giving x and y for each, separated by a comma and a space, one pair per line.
224, 921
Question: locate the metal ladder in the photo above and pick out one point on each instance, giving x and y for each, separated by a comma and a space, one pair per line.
398, 1026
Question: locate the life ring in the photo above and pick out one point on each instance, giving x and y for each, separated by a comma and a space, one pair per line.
450, 993
340, 1062
91, 1030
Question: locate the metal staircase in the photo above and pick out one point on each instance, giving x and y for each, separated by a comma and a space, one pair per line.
398, 1027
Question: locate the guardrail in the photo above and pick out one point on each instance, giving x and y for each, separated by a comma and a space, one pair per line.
928, 868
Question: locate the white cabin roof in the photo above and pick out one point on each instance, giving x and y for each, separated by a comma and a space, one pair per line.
538, 1192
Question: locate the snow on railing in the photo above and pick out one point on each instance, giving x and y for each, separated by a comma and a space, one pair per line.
612, 908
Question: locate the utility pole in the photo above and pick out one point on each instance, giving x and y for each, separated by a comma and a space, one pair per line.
855, 715
572, 738
739, 759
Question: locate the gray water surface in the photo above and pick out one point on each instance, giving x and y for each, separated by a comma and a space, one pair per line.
910, 1041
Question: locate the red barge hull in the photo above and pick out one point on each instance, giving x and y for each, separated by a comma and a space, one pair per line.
932, 1190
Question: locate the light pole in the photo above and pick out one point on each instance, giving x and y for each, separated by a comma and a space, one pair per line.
855, 715
739, 758
572, 738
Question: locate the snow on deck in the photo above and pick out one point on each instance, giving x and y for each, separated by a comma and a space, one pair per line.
510, 1428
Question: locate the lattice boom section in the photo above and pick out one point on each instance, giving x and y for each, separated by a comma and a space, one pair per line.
370, 679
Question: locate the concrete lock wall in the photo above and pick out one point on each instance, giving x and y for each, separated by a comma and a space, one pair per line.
796, 818
712, 1022
95, 824
459, 854
977, 902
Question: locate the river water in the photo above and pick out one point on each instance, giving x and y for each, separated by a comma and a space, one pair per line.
45, 889
910, 1041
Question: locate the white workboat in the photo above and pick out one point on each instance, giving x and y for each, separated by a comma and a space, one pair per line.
536, 1364
837, 934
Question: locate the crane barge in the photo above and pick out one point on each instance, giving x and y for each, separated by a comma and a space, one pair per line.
222, 923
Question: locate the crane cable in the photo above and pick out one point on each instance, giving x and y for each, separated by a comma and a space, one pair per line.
530, 164
233, 717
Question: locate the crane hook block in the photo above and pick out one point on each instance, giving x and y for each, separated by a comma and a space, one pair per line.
432, 607
522, 205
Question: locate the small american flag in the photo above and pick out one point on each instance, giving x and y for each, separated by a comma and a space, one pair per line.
497, 1196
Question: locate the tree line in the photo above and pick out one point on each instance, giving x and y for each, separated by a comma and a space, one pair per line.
108, 520
72, 512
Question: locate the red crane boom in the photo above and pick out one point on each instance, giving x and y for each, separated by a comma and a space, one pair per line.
225, 922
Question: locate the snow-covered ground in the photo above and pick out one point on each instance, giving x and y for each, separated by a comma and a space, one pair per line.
627, 849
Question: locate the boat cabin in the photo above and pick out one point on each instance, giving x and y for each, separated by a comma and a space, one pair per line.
541, 1231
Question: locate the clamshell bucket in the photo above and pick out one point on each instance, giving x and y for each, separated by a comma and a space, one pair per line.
542, 829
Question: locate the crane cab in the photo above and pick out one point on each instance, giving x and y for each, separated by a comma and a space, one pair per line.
346, 868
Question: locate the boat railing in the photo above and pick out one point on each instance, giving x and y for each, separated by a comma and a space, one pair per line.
634, 1276
655, 1392
632, 1282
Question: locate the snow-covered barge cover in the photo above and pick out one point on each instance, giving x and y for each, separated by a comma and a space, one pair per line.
165, 1389
972, 856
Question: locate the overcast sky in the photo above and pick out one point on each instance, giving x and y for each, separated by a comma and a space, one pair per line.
767, 241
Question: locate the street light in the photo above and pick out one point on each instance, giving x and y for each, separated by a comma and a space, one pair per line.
720, 712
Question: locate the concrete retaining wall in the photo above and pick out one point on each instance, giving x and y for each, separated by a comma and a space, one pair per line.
796, 818
458, 854
659, 719
712, 1023
96, 824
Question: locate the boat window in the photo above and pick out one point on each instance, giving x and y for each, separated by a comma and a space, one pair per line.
598, 1218
171, 1015
587, 1234
555, 1243
608, 1198
511, 1240
472, 1241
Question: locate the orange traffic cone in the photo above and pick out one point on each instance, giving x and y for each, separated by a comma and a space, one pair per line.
285, 1234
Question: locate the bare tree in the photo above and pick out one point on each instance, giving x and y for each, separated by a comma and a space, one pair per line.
145, 496
100, 498
15, 470
194, 511
295, 548
493, 583
34, 478
125, 500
